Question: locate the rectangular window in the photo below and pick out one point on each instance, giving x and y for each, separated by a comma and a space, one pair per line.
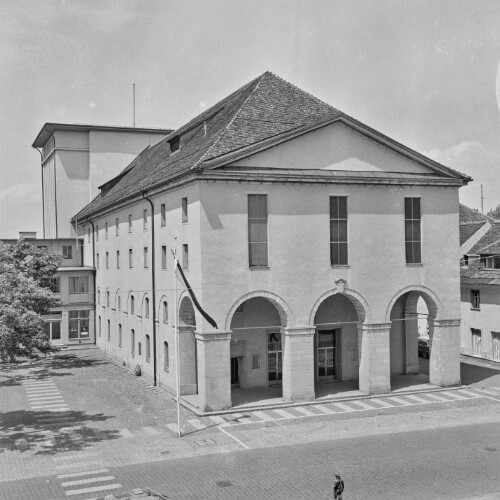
146, 252
148, 349
338, 231
106, 230
109, 331
144, 219
97, 260
164, 257
495, 345
79, 284
79, 324
119, 302
166, 360
130, 258
163, 215
185, 257
117, 226
107, 260
55, 285
257, 230
97, 232
130, 223
88, 235
118, 259
475, 299
413, 238
119, 335
107, 299
491, 262
184, 209
132, 342
67, 252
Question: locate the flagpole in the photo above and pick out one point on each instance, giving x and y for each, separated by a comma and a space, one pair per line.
176, 328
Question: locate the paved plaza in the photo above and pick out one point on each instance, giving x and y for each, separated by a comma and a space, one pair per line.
81, 426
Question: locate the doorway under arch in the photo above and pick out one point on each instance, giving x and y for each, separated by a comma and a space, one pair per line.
256, 351
411, 315
336, 356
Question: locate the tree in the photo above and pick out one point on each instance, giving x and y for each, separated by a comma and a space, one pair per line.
495, 213
25, 295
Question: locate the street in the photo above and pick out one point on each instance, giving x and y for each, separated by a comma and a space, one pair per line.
92, 429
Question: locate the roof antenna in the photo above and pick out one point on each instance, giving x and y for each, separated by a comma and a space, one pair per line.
133, 94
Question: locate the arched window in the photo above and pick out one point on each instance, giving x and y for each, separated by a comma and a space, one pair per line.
98, 297
146, 308
132, 342
109, 330
165, 312
119, 335
148, 349
132, 305
107, 299
119, 301
166, 359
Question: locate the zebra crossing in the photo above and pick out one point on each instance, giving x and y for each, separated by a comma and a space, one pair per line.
86, 482
332, 408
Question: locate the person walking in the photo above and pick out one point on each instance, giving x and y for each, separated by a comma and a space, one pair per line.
338, 487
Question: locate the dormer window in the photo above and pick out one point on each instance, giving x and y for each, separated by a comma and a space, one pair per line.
174, 144
491, 262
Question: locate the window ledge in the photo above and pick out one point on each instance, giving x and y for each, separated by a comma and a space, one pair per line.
475, 308
415, 264
259, 268
340, 266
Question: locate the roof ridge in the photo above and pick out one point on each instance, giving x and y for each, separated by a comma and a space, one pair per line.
226, 128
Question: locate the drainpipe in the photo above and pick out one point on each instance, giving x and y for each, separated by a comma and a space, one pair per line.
153, 281
43, 194
95, 287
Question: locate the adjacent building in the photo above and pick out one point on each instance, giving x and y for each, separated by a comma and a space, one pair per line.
308, 236
480, 284
76, 160
72, 323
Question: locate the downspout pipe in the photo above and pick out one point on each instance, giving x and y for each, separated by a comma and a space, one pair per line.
95, 285
43, 194
153, 281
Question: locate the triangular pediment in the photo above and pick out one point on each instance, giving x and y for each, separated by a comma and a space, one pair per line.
339, 146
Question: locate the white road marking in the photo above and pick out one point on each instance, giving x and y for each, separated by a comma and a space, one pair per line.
411, 397
468, 393
304, 411
217, 419
45, 398
151, 431
283, 413
343, 407
221, 428
89, 480
324, 409
126, 433
95, 488
454, 395
197, 424
437, 398
80, 474
40, 392
385, 404
364, 405
263, 416
399, 401
173, 428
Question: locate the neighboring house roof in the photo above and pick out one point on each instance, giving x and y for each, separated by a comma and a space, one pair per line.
489, 244
49, 128
469, 229
470, 215
262, 113
475, 274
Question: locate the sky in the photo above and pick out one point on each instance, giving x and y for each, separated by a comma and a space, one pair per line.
425, 73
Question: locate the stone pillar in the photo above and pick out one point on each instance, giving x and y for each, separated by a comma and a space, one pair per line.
444, 365
214, 370
187, 354
411, 345
298, 363
374, 358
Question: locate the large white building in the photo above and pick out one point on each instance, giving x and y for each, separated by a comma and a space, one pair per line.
308, 236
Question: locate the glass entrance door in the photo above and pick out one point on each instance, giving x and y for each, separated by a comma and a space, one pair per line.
274, 358
326, 351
